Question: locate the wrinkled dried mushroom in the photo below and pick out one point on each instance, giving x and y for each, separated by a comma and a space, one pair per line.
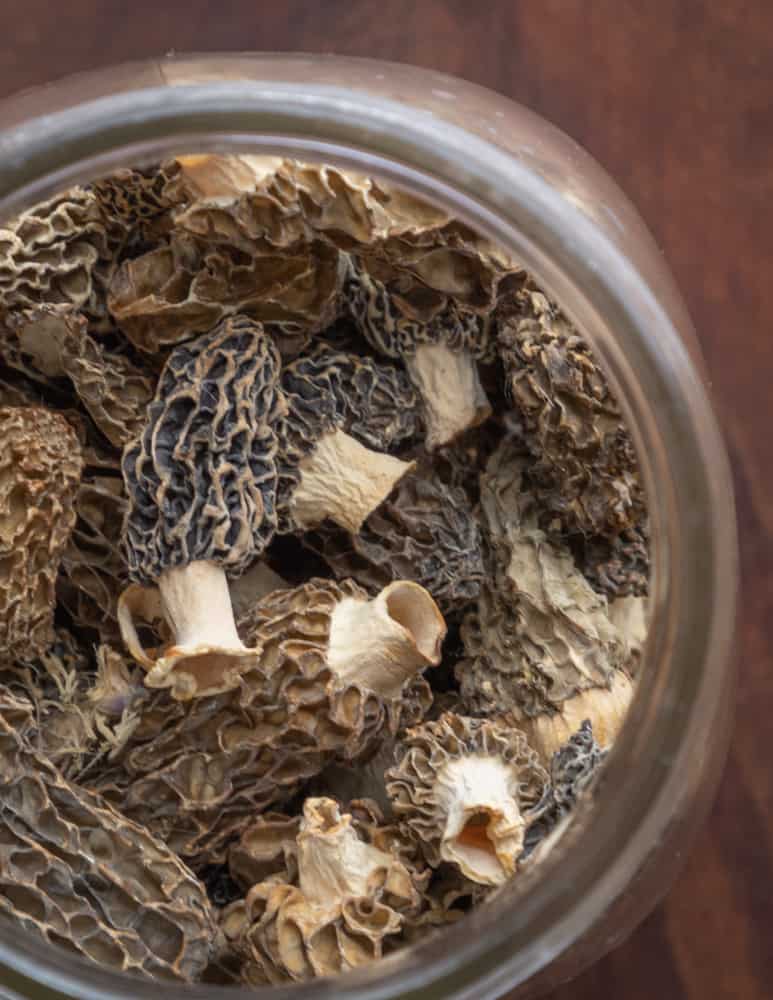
350, 899
76, 872
466, 790
440, 355
201, 483
40, 465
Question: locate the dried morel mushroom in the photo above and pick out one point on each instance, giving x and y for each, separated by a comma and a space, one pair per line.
423, 531
184, 287
54, 342
540, 636
337, 404
350, 899
140, 200
336, 673
60, 252
586, 475
339, 669
40, 465
440, 355
78, 873
571, 770
466, 790
201, 483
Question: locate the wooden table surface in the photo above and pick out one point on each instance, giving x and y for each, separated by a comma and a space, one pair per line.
675, 98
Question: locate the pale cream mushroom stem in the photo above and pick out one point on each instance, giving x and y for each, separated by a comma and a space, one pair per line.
206, 655
383, 642
344, 481
448, 382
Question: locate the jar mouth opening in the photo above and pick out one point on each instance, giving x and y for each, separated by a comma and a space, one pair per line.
182, 109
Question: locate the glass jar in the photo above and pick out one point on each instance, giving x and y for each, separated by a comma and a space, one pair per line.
527, 185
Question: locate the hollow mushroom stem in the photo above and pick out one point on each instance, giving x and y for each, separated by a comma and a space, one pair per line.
384, 642
453, 396
605, 708
344, 481
333, 863
484, 828
206, 655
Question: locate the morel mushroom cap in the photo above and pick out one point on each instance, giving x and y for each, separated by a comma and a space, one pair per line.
423, 531
201, 483
572, 769
61, 251
586, 475
75, 871
184, 287
351, 896
466, 789
40, 465
54, 341
439, 355
338, 404
540, 634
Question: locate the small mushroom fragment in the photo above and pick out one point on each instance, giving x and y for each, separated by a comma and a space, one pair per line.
54, 342
586, 475
440, 355
541, 642
340, 407
201, 483
423, 531
267, 848
140, 200
618, 566
184, 287
40, 465
572, 770
350, 900
76, 872
466, 790
60, 252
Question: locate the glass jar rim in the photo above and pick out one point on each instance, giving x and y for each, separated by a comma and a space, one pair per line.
527, 204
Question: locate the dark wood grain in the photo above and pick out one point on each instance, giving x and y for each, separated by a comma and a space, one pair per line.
675, 98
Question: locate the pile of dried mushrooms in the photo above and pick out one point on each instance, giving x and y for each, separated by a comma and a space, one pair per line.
323, 568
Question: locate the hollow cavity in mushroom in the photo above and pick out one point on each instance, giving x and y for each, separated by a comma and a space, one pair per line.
344, 481
450, 387
206, 655
484, 828
605, 708
383, 642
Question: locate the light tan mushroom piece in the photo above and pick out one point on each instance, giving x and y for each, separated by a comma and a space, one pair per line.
466, 789
40, 466
350, 899
541, 641
55, 342
201, 484
440, 356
